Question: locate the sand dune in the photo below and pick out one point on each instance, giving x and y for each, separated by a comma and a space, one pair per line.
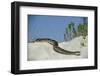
44, 51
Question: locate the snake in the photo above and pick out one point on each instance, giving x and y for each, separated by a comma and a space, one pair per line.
56, 47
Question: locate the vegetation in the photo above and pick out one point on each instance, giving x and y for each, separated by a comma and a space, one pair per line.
65, 37
73, 31
82, 30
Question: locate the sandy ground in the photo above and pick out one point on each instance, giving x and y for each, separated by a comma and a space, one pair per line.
44, 51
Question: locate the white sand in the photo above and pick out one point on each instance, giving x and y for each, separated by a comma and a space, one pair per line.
44, 51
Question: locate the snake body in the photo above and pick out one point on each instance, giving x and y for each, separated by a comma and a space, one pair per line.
56, 47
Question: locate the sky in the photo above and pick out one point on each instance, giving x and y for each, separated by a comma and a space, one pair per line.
46, 26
